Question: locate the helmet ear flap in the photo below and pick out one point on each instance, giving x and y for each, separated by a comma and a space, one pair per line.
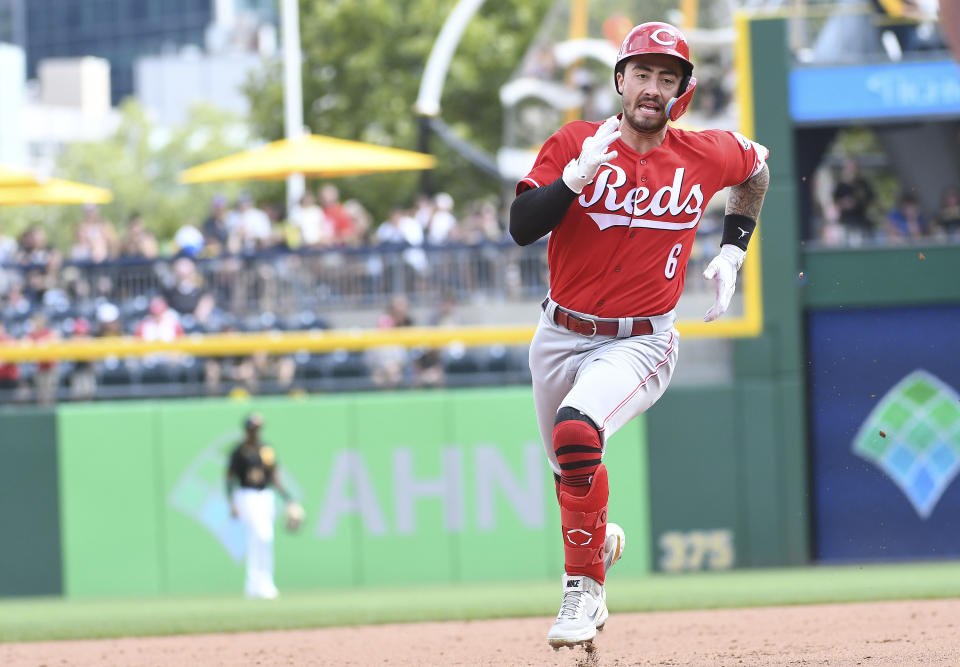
678, 105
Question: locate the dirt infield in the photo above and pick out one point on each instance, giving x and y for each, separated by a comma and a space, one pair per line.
869, 634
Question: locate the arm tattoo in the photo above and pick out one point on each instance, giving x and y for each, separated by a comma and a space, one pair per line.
747, 198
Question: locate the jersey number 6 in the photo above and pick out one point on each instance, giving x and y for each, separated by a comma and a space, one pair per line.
672, 260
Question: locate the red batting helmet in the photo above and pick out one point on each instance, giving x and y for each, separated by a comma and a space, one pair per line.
657, 37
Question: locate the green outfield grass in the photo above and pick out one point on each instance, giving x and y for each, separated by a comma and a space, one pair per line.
38, 619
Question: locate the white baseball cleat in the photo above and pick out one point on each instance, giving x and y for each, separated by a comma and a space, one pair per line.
613, 545
582, 610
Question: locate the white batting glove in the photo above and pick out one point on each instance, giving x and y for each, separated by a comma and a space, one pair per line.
724, 269
578, 173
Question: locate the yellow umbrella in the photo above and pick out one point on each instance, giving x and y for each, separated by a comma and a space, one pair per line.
311, 155
12, 176
54, 191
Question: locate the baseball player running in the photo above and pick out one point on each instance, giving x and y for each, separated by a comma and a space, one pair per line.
252, 470
621, 200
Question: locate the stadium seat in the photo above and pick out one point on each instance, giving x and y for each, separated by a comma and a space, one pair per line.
160, 372
461, 361
114, 372
498, 359
348, 365
312, 366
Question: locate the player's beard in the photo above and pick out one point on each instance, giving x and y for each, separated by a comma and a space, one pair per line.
643, 123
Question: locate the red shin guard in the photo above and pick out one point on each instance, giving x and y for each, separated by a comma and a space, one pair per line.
584, 523
579, 452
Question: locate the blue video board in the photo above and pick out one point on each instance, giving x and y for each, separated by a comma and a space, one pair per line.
875, 92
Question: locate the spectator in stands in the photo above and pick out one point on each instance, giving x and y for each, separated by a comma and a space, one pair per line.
9, 371
948, 217
188, 241
442, 222
34, 252
184, 291
316, 230
108, 321
428, 368
281, 368
390, 231
109, 325
217, 239
345, 232
138, 241
852, 198
905, 221
46, 374
95, 239
360, 221
162, 324
389, 363
238, 370
16, 303
423, 210
37, 284
911, 23
251, 225
480, 225
83, 378
8, 250
402, 229
283, 234
75, 286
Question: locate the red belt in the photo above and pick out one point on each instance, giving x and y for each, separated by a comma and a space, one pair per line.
588, 327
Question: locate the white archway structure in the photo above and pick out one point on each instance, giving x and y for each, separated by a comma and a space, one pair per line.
435, 73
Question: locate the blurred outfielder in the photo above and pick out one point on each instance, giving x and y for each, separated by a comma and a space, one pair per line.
251, 473
621, 200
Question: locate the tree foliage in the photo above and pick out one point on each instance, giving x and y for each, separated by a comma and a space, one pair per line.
362, 67
140, 163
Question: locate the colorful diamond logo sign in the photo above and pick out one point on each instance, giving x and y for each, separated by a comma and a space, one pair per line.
199, 494
913, 435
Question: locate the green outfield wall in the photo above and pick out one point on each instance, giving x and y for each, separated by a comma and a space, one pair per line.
438, 486
29, 508
409, 487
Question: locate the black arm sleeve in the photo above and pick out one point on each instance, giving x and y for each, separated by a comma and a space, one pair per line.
536, 212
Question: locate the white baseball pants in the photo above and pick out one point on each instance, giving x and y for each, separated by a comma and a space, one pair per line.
257, 510
611, 380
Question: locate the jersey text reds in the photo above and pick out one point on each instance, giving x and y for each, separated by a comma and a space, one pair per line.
621, 249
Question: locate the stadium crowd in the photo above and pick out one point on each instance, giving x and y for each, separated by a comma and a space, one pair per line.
852, 214
244, 268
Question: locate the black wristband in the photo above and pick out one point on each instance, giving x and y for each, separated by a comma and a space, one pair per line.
737, 230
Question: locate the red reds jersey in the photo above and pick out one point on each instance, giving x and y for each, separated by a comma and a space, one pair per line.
622, 248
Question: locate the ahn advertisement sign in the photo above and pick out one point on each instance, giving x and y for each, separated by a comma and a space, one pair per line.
885, 430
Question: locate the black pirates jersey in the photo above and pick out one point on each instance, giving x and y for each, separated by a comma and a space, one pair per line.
253, 467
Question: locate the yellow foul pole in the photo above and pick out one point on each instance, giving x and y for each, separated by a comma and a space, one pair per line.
579, 16
689, 9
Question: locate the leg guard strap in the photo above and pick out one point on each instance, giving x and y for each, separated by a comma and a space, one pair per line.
579, 452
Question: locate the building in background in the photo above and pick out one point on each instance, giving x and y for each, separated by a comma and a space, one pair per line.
119, 31
168, 85
65, 65
122, 31
69, 101
12, 22
12, 83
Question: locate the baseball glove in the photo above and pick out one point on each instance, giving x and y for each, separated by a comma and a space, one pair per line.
294, 517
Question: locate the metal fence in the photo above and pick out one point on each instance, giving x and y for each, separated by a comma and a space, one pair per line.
284, 285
